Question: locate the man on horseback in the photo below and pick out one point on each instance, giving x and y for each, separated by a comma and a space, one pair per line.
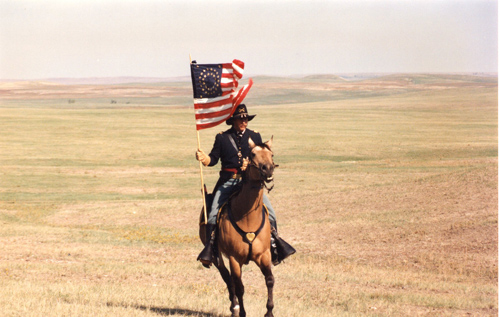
232, 148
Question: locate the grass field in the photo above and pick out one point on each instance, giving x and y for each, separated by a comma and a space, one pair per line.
388, 189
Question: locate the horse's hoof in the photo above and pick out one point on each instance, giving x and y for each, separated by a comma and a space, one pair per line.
235, 311
206, 265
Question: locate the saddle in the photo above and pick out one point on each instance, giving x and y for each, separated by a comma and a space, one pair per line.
209, 198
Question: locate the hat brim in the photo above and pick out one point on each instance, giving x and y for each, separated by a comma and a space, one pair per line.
230, 120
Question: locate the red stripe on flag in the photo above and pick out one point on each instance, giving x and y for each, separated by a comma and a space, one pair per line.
236, 71
242, 93
208, 125
212, 104
209, 115
227, 85
239, 63
237, 75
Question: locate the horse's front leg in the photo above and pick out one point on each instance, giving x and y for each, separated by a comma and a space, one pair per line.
225, 276
238, 288
268, 274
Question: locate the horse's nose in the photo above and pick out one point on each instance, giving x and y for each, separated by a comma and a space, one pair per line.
267, 169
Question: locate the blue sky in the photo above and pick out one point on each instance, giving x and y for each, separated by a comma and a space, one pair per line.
47, 39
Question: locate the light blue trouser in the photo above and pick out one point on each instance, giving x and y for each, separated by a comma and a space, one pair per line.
221, 196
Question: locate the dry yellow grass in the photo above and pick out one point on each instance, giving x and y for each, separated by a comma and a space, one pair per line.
391, 201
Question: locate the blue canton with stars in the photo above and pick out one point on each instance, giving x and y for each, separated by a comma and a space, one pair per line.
206, 80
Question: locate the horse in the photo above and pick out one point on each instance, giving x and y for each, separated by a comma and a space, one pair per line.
244, 231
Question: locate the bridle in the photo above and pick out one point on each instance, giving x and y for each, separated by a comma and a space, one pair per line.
264, 181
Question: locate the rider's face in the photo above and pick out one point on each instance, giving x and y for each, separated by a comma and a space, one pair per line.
240, 124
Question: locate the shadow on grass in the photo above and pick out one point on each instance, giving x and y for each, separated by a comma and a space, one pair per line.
177, 311
163, 311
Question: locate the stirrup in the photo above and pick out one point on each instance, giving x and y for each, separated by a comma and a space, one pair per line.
274, 252
283, 249
207, 255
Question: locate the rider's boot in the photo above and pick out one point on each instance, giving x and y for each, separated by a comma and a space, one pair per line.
207, 255
280, 249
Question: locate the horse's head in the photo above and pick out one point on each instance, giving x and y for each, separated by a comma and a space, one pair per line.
261, 165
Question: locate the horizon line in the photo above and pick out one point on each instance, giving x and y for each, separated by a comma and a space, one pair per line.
187, 77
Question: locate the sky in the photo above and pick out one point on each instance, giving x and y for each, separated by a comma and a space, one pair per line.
154, 38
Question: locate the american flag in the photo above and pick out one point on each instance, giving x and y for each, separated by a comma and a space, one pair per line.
215, 97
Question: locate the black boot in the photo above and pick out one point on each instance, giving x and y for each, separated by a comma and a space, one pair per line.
207, 255
280, 249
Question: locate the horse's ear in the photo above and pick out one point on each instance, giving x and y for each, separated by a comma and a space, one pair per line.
251, 144
270, 142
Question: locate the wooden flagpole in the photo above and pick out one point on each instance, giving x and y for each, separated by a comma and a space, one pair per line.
201, 168
202, 183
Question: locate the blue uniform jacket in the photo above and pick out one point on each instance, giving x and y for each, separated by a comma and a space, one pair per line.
227, 151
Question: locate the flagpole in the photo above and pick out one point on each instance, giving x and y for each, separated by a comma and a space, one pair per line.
202, 182
201, 169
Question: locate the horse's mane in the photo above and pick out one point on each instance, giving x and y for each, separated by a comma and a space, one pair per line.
264, 146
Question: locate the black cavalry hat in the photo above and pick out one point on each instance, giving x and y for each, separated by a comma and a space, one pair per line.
240, 112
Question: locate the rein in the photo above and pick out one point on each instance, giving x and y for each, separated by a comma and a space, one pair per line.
263, 183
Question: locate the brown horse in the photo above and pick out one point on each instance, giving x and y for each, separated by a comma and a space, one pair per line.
244, 231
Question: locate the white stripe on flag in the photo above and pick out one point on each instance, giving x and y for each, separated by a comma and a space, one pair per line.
214, 109
211, 120
209, 100
238, 69
241, 94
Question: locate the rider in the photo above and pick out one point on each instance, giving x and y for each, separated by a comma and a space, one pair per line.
231, 147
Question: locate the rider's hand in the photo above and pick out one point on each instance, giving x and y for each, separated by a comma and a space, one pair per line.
202, 157
244, 164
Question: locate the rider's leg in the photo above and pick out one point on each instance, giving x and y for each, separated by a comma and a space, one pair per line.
221, 195
280, 249
272, 214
